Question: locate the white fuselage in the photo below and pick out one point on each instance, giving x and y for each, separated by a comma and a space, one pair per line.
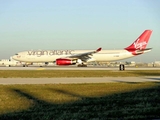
52, 55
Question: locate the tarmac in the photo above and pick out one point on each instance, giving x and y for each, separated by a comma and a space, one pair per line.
6, 81
81, 80
75, 68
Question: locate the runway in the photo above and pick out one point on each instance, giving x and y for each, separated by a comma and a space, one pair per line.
6, 81
131, 80
75, 68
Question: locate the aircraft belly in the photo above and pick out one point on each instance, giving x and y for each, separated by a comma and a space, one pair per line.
111, 57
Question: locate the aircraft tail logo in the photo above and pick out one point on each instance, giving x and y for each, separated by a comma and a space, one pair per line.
141, 42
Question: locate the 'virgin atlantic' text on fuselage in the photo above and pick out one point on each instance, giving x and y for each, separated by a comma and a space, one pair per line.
50, 52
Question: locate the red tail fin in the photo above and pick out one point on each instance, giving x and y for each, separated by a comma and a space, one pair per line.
141, 42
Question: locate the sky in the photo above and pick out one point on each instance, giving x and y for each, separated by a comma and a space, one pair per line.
78, 24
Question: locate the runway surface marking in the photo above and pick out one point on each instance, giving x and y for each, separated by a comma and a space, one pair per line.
41, 69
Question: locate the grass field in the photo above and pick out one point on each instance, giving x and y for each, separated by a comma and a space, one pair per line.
75, 73
80, 101
99, 101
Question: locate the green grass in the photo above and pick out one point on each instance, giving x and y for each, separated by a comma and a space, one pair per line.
75, 73
80, 101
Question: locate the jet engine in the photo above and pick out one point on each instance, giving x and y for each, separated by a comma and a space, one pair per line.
64, 61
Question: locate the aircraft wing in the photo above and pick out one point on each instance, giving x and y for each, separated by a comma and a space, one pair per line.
84, 56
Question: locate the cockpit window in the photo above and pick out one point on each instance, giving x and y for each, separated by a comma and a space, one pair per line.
16, 54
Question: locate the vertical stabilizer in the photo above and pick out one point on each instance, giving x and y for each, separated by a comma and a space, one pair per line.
141, 42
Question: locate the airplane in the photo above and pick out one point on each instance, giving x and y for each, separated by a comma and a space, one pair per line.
82, 57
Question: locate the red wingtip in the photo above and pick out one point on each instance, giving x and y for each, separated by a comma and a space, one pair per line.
99, 49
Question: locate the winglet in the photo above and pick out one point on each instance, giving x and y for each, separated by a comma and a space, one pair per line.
99, 49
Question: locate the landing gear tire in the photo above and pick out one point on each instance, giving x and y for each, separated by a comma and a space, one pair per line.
121, 67
25, 65
81, 65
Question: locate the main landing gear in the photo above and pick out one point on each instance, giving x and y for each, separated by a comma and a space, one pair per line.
121, 67
81, 65
25, 65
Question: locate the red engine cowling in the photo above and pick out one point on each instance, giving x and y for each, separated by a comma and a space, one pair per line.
63, 61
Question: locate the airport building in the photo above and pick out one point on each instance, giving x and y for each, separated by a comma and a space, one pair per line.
9, 62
